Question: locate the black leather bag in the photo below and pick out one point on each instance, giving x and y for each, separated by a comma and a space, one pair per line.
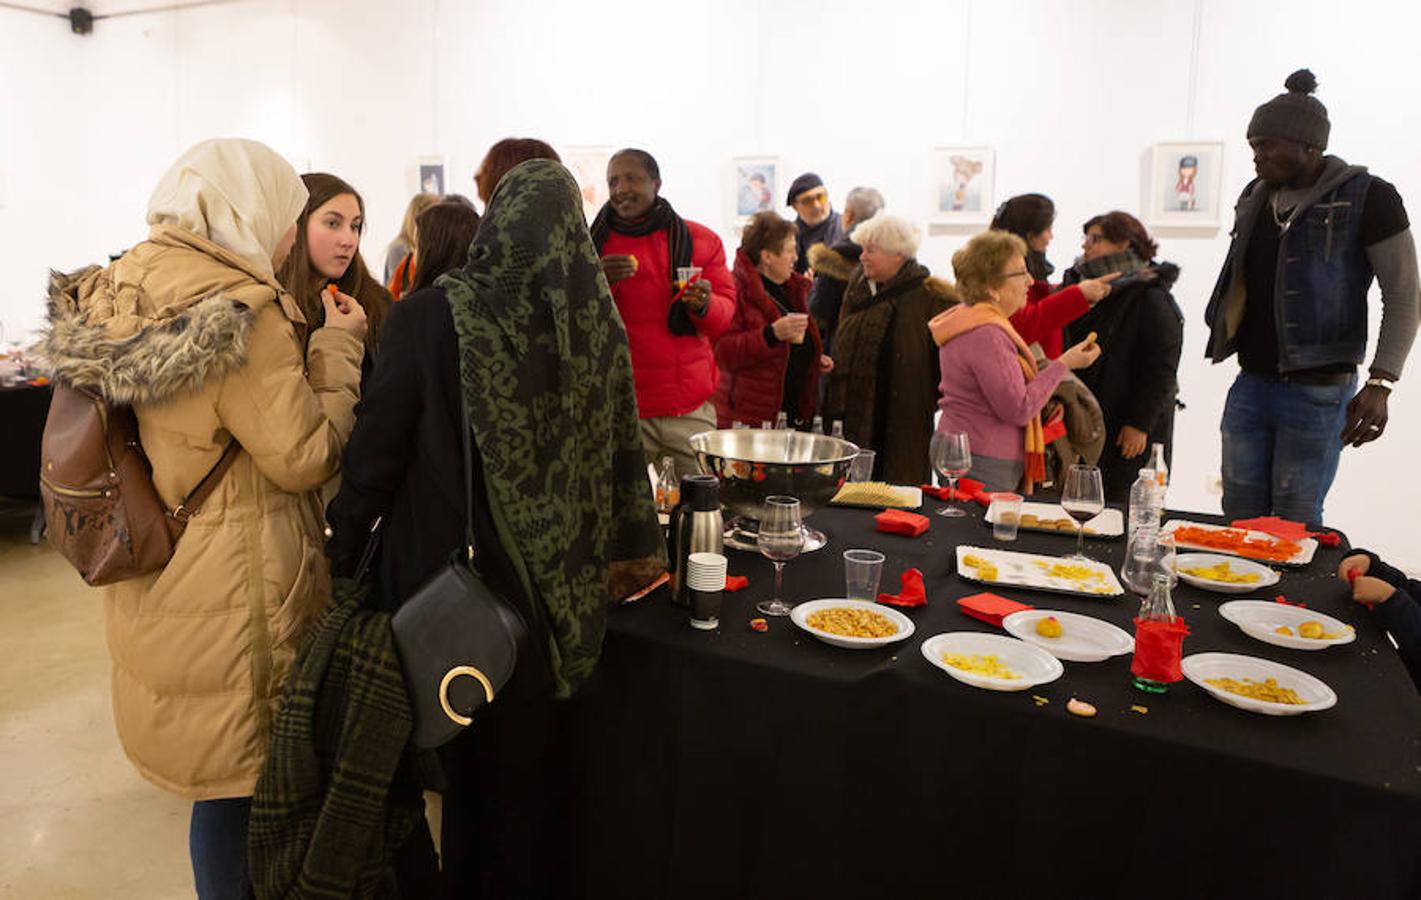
457, 638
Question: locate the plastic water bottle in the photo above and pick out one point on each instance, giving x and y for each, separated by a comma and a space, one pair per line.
838, 429
818, 426
1146, 503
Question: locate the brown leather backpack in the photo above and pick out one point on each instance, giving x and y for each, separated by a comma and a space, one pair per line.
103, 513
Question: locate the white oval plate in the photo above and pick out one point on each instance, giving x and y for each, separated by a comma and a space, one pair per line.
1202, 666
802, 611
1259, 618
1266, 577
1083, 638
1034, 665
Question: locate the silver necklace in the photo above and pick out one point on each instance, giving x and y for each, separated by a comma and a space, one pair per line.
1284, 220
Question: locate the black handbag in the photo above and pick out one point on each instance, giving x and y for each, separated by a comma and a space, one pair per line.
456, 637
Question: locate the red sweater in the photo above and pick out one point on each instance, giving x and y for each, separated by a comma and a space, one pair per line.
752, 371
674, 374
1046, 314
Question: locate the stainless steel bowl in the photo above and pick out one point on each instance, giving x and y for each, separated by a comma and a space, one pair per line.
753, 464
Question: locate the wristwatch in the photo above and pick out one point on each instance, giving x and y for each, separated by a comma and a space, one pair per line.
1385, 384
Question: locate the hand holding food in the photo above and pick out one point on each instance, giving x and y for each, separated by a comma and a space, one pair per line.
343, 311
618, 267
1354, 567
1370, 591
1082, 355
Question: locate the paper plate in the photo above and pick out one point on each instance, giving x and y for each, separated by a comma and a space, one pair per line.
1266, 577
802, 611
1083, 638
1034, 665
1201, 667
1261, 619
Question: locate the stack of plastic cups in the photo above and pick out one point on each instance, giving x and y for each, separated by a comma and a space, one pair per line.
705, 576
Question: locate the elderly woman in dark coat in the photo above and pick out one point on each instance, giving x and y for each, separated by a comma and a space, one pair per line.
885, 380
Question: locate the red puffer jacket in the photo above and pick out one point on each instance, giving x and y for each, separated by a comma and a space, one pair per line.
752, 371
1047, 312
674, 374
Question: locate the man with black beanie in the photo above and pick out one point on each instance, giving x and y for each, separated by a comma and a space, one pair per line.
817, 223
1310, 234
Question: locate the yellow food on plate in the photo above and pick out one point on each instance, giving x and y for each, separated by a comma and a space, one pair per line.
986, 571
990, 666
1311, 629
1049, 627
1070, 571
1267, 690
850, 621
1223, 573
1283, 630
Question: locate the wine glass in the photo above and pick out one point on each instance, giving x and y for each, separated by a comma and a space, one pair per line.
951, 454
780, 539
1083, 498
1150, 553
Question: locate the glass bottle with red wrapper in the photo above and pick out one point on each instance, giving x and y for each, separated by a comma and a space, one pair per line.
1159, 640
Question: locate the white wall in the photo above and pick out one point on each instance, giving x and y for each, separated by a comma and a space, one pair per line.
1071, 95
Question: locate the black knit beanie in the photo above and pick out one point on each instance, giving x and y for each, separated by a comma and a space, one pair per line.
1294, 116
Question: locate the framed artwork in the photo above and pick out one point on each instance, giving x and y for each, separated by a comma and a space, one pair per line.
756, 185
589, 166
1185, 184
963, 180
431, 175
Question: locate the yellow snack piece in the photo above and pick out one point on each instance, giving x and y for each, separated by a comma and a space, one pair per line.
1284, 630
1267, 690
1222, 572
990, 666
1311, 629
1049, 627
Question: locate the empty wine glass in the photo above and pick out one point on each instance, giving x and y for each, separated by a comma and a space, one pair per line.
1083, 498
780, 539
1150, 553
951, 454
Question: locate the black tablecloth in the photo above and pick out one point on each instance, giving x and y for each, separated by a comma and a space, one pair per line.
22, 414
735, 763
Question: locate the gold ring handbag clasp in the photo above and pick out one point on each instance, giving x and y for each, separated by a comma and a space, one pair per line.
449, 676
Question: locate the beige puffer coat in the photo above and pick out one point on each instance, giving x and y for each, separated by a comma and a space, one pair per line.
206, 349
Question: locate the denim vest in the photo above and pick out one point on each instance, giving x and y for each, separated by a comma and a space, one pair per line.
1320, 290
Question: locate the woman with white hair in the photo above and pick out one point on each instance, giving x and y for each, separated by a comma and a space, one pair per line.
884, 385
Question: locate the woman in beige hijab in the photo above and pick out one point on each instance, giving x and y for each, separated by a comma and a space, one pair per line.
191, 329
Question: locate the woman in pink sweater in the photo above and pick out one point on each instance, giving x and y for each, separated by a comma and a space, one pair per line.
991, 388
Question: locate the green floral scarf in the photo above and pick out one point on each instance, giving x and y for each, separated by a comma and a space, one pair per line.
547, 380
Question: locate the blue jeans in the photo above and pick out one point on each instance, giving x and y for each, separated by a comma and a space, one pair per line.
1282, 441
217, 841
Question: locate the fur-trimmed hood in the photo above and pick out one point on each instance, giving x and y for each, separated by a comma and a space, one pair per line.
170, 315
836, 262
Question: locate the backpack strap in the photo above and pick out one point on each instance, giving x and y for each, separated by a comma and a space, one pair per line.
192, 503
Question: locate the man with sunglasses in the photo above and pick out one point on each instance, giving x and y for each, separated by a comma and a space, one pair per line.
817, 223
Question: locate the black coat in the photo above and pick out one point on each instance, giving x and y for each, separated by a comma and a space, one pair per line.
404, 462
1141, 333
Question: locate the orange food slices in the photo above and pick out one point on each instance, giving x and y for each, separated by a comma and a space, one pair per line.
1238, 541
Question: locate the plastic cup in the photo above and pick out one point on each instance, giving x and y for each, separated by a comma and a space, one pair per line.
1006, 516
861, 469
685, 273
862, 571
705, 609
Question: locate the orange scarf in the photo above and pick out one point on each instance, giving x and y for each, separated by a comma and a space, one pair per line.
403, 277
961, 319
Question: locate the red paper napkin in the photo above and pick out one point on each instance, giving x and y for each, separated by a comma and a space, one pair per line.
1283, 528
736, 582
1159, 647
913, 593
967, 489
900, 521
990, 608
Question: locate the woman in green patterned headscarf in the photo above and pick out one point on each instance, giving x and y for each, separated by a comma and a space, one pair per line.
526, 336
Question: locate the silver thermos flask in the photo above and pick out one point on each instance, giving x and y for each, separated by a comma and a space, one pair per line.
696, 527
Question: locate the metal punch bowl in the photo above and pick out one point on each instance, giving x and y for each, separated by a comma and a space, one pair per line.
753, 463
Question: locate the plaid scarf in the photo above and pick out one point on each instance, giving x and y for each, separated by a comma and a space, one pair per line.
329, 813
1126, 262
547, 380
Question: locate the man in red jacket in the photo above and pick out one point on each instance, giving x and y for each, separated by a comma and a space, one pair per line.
643, 242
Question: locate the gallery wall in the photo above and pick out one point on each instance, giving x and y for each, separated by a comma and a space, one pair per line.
1070, 95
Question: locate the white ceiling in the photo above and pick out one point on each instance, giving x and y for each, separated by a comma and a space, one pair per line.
106, 7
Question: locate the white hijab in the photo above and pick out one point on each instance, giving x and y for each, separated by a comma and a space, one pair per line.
239, 194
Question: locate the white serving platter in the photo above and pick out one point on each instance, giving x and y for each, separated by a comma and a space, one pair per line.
1015, 569
1307, 546
1083, 638
1109, 524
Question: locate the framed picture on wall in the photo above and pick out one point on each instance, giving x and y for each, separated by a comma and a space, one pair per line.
963, 181
431, 175
756, 185
588, 165
1185, 184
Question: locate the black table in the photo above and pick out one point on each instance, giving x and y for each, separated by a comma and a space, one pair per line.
22, 413
739, 764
